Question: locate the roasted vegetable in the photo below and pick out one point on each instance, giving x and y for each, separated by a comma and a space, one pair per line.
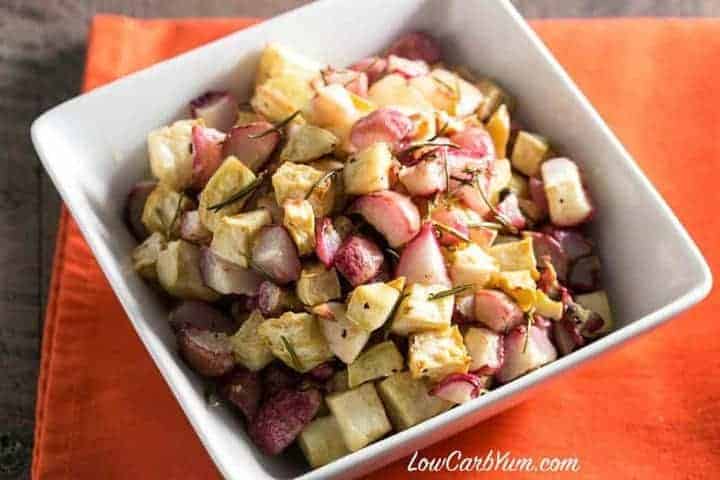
178, 271
249, 348
344, 338
208, 353
319, 441
317, 285
438, 353
378, 361
408, 401
360, 415
297, 340
145, 255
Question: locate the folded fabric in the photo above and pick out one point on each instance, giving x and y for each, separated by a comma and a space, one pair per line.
648, 410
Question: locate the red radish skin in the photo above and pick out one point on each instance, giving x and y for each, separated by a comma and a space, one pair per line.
359, 260
510, 209
134, 208
282, 417
208, 353
422, 261
327, 241
373, 67
416, 46
497, 311
201, 316
207, 154
452, 219
226, 277
219, 110
475, 140
459, 388
537, 195
274, 254
253, 152
572, 241
544, 244
406, 67
392, 214
192, 229
353, 80
243, 389
520, 359
383, 125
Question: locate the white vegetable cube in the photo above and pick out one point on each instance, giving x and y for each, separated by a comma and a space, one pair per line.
500, 179
493, 97
529, 152
170, 152
568, 202
234, 234
513, 256
344, 338
436, 354
319, 441
360, 415
178, 271
232, 177
519, 285
317, 284
470, 264
370, 305
378, 361
163, 209
297, 340
250, 349
307, 143
299, 219
448, 92
369, 170
498, 126
418, 312
394, 91
598, 302
145, 255
334, 109
408, 400
483, 346
279, 60
294, 181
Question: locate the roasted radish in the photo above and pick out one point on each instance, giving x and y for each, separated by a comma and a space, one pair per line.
359, 260
524, 353
226, 277
392, 214
218, 110
251, 143
422, 261
274, 254
459, 388
416, 46
383, 125
327, 241
497, 311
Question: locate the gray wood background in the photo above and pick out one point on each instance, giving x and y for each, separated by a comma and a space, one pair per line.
42, 49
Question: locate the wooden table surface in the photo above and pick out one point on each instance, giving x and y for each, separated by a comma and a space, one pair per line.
42, 50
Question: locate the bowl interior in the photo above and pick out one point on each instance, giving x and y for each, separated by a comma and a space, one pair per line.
94, 149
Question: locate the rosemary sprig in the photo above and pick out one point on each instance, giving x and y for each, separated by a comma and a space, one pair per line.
240, 194
387, 326
490, 225
501, 218
291, 351
178, 209
450, 230
451, 291
277, 127
418, 146
530, 314
320, 180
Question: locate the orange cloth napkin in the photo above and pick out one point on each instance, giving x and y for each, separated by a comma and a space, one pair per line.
649, 410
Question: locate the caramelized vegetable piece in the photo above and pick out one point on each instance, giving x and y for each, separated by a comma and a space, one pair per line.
135, 205
274, 254
282, 417
231, 178
226, 277
493, 97
498, 126
170, 154
299, 220
358, 259
234, 235
178, 270
420, 310
378, 361
201, 316
192, 229
598, 303
470, 264
369, 170
370, 305
438, 353
249, 348
360, 415
319, 442
252, 143
486, 350
421, 260
408, 401
243, 389
163, 209
208, 353
345, 339
317, 285
392, 214
145, 255
218, 110
529, 152
509, 208
567, 199
383, 125
523, 355
297, 340
307, 143
406, 67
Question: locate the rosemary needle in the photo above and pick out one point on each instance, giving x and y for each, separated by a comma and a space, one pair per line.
451, 291
291, 351
277, 127
243, 192
320, 180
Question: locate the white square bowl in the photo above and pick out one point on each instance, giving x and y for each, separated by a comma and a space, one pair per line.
94, 148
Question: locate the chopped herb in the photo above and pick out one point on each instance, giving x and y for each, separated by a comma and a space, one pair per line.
320, 180
450, 230
449, 292
291, 351
277, 127
240, 194
501, 218
530, 313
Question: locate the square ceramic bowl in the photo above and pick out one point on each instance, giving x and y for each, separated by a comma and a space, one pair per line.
94, 148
